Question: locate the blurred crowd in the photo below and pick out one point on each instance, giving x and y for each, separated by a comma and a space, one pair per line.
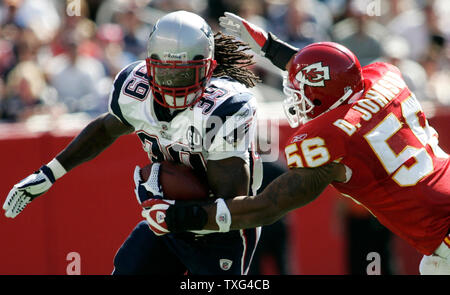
61, 56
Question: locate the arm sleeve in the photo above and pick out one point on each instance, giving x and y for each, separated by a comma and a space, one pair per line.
278, 51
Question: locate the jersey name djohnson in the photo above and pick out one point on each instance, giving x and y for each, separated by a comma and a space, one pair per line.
381, 93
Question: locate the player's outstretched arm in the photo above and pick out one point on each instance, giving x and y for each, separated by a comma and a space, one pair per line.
291, 190
261, 42
92, 140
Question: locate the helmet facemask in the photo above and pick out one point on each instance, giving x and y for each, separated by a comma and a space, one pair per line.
178, 84
296, 104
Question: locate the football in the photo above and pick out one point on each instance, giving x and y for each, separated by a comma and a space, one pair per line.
179, 182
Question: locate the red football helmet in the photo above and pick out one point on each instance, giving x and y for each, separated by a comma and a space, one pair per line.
320, 78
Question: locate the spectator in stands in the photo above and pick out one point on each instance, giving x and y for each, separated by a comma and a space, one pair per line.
75, 78
360, 33
134, 33
297, 23
254, 11
23, 91
413, 24
114, 56
7, 57
40, 16
396, 51
436, 64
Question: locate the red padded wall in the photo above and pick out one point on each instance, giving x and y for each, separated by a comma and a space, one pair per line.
92, 210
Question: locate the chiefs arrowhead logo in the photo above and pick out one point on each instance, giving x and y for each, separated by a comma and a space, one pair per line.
314, 75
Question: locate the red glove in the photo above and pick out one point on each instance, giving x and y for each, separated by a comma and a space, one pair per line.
155, 214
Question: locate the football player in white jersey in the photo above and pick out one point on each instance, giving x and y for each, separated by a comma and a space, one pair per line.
188, 102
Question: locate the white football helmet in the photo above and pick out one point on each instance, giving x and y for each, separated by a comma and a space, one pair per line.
180, 59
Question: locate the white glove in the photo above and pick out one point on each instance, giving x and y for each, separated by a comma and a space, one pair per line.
246, 31
434, 265
152, 186
27, 190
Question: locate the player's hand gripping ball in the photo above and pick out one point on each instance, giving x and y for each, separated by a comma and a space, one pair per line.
175, 182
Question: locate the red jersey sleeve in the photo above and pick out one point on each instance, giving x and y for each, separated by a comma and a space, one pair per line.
314, 145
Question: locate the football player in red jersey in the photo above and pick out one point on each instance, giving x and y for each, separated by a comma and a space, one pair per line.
359, 129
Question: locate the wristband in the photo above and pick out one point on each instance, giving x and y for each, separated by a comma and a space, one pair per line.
57, 169
223, 216
183, 217
277, 51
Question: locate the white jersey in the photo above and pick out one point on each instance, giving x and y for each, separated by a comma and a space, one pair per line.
220, 125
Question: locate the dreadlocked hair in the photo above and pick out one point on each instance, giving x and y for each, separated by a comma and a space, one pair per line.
233, 61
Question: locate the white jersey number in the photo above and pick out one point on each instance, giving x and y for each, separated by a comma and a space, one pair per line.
395, 163
175, 152
314, 152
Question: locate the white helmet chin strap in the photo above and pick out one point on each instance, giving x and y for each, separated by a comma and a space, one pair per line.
296, 109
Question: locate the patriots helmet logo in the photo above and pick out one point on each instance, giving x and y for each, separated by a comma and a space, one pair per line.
314, 75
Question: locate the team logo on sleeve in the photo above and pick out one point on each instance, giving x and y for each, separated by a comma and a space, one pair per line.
314, 75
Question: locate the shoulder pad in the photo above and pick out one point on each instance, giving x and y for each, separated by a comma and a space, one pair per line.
233, 104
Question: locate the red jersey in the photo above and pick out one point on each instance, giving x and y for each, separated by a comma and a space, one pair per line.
397, 170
